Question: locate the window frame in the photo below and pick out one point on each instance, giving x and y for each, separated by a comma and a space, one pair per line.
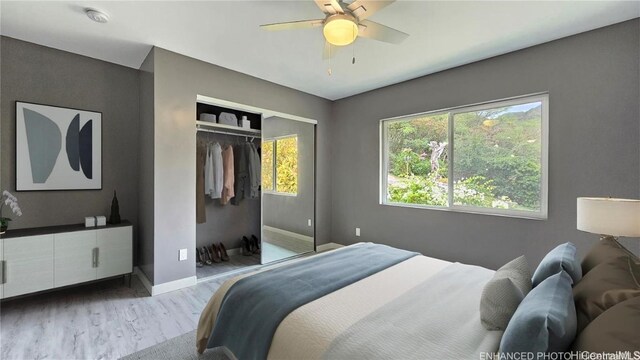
274, 164
541, 214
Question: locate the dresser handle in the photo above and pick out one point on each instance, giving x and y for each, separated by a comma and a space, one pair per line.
95, 257
3, 272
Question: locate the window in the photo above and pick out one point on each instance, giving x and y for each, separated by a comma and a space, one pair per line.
488, 158
280, 165
267, 165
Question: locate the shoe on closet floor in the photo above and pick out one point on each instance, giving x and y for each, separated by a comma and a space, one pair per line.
199, 258
256, 244
204, 253
214, 253
223, 252
246, 247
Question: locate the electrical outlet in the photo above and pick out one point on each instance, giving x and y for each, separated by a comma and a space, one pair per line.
357, 231
309, 222
182, 255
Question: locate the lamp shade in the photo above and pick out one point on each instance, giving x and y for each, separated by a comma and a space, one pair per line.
608, 216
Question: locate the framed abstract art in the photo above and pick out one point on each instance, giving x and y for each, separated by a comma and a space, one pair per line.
57, 148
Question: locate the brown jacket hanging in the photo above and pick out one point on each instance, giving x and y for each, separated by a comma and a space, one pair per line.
227, 175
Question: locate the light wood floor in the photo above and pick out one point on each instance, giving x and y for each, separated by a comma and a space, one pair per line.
104, 320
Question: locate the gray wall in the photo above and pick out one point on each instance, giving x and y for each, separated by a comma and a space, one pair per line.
177, 81
593, 84
292, 212
145, 180
592, 78
228, 223
34, 73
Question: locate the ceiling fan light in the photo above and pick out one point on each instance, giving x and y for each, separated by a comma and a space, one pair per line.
340, 30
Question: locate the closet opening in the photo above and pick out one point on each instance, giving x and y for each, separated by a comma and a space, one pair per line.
228, 199
255, 187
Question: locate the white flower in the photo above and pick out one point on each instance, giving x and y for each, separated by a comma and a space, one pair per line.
15, 208
12, 202
9, 195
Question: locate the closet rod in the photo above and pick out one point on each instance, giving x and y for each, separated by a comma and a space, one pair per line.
227, 133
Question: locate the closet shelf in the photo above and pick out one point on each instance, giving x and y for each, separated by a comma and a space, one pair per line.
226, 129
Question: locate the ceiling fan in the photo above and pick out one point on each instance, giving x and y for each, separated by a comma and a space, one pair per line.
344, 22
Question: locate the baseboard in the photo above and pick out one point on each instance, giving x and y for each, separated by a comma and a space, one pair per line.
173, 285
328, 246
143, 279
154, 290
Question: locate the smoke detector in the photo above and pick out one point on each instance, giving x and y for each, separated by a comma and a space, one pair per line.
97, 15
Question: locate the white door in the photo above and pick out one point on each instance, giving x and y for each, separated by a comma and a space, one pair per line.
28, 264
74, 257
115, 251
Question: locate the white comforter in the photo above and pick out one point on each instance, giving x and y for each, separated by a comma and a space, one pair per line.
339, 324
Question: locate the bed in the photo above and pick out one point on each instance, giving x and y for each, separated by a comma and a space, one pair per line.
371, 301
408, 306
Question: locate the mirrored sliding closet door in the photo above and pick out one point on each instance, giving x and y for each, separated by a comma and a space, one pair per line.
288, 188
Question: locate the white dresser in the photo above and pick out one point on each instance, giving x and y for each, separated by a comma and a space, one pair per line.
38, 259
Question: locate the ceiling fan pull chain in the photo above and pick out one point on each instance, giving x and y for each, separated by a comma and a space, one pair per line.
353, 49
330, 59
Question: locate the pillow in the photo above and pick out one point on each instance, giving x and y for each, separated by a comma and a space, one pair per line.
563, 257
545, 321
503, 293
604, 286
606, 249
617, 329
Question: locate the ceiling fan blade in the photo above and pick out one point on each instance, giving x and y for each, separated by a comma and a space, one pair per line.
362, 9
372, 30
302, 24
329, 50
330, 7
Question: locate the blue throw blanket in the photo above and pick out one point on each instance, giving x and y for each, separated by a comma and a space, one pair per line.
254, 306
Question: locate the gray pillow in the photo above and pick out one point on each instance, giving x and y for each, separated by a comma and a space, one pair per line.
562, 257
503, 293
545, 320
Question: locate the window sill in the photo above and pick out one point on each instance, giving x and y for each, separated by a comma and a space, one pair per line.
471, 210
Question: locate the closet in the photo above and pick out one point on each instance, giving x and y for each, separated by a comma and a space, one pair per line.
260, 209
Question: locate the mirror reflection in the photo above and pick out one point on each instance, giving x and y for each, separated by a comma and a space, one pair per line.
288, 197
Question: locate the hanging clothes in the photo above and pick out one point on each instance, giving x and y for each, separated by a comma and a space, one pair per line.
218, 171
228, 175
255, 177
241, 185
208, 172
201, 153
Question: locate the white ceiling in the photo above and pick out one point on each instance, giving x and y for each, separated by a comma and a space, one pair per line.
444, 34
